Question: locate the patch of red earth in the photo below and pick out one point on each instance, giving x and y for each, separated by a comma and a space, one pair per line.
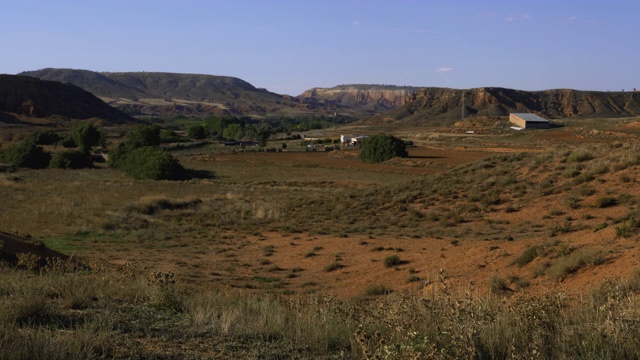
467, 263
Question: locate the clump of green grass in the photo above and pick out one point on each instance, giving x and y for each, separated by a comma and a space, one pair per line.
376, 290
392, 260
604, 225
579, 156
498, 285
572, 202
629, 227
269, 250
528, 255
570, 264
333, 266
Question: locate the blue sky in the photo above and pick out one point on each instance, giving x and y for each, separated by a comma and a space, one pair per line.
290, 46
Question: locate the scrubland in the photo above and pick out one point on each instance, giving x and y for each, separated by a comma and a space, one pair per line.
508, 254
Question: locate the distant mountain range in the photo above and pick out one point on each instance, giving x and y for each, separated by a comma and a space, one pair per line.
170, 94
23, 99
167, 94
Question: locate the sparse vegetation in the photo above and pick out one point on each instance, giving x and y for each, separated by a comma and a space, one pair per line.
239, 240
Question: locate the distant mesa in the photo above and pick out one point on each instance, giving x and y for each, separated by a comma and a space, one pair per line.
24, 97
369, 98
443, 105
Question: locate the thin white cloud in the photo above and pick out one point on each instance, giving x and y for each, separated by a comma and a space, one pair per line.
572, 19
356, 23
517, 17
413, 30
444, 70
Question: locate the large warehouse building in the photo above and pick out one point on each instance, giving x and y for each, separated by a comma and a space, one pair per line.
528, 121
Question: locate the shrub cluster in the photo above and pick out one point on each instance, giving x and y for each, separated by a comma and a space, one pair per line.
70, 159
46, 137
27, 154
30, 155
141, 157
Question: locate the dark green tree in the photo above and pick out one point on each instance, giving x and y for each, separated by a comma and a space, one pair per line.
149, 162
382, 147
143, 135
86, 135
197, 132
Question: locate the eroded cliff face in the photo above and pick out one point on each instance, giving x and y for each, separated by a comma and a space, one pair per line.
360, 95
561, 103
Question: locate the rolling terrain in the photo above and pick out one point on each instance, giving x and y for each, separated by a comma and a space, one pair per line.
194, 95
491, 245
482, 243
169, 94
27, 100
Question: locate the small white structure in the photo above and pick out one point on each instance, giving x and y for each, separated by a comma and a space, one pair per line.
358, 139
350, 140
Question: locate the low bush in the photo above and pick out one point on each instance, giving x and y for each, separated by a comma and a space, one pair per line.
70, 159
391, 261
575, 261
333, 266
376, 290
147, 163
527, 256
629, 227
46, 137
27, 154
579, 156
498, 285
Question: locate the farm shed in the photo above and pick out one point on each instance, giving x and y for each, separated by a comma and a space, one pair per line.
528, 121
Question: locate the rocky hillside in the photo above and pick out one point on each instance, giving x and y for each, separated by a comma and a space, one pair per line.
167, 94
442, 104
24, 97
370, 98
